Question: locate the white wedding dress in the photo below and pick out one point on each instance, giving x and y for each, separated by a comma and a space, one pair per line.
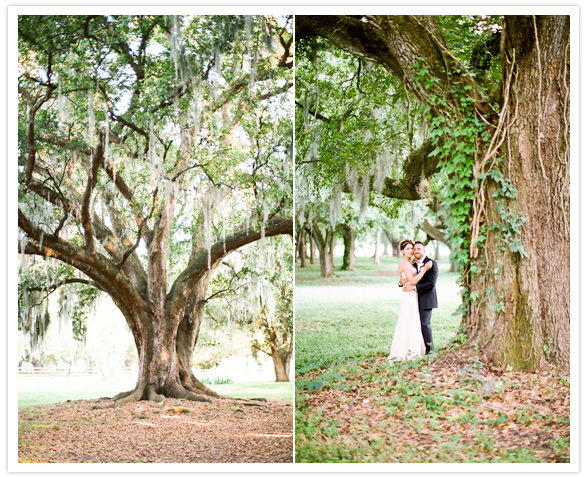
407, 340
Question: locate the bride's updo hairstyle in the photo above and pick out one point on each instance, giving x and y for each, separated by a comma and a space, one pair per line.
404, 243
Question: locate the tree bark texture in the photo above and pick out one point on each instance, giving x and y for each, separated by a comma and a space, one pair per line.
302, 248
281, 363
532, 322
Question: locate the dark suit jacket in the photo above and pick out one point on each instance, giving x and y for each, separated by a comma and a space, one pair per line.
426, 287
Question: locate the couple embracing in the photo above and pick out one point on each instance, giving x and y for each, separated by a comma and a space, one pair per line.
418, 274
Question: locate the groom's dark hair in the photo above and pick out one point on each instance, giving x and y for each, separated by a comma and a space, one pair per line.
419, 242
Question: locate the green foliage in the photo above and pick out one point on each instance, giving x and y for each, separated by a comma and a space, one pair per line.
509, 228
250, 304
459, 183
39, 279
355, 100
458, 140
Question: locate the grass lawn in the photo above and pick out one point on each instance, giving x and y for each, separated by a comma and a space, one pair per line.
33, 391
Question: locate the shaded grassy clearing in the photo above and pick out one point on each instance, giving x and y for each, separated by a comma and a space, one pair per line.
354, 406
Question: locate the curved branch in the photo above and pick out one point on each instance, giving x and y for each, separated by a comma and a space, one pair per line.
33, 105
54, 286
417, 168
140, 231
179, 292
383, 39
315, 114
107, 277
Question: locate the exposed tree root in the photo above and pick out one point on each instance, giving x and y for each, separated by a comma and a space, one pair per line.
194, 392
120, 395
180, 392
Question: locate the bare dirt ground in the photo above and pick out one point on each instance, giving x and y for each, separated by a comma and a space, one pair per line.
172, 431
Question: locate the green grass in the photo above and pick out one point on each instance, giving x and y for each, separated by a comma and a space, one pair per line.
270, 391
33, 391
354, 313
44, 390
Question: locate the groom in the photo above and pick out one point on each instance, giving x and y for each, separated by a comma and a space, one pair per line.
426, 289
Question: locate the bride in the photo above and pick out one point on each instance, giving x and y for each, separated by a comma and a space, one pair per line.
407, 339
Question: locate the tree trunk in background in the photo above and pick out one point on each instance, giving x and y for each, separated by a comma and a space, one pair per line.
376, 260
302, 248
325, 243
394, 244
348, 256
530, 319
281, 365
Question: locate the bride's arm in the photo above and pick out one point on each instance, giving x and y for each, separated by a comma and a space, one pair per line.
414, 279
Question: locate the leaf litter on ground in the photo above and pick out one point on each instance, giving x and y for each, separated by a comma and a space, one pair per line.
174, 430
454, 408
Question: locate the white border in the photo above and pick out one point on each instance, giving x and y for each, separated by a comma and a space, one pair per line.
463, 7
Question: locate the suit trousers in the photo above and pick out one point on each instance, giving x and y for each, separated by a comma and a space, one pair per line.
425, 317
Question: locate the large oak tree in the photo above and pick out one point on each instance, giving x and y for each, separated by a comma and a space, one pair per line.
150, 148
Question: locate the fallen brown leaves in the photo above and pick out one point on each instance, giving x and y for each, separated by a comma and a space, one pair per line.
456, 409
172, 431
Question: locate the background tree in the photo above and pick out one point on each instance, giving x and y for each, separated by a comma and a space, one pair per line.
499, 128
250, 301
150, 148
274, 320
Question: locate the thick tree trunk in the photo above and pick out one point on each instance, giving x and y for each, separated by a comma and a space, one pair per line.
348, 256
526, 318
187, 338
165, 348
